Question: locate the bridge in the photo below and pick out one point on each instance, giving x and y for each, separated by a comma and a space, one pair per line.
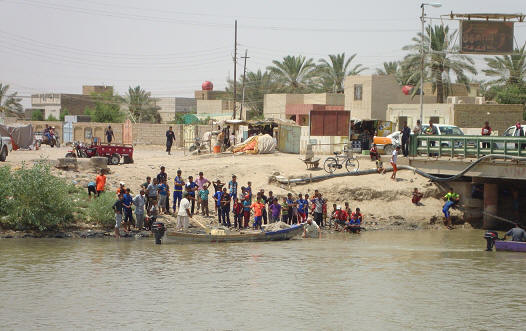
499, 181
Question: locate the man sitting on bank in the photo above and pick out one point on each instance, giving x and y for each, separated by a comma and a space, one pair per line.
516, 233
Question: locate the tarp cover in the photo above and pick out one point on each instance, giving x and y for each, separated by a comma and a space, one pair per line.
22, 136
262, 144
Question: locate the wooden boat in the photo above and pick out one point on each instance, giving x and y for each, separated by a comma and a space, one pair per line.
284, 234
510, 246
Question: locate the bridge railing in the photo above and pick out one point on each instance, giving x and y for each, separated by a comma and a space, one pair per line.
466, 146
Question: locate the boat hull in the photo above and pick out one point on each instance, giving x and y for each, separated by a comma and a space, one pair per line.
285, 234
510, 246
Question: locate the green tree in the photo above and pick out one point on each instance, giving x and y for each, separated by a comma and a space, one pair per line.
389, 68
507, 69
257, 84
333, 72
63, 114
10, 103
512, 94
107, 109
294, 74
141, 105
37, 115
440, 60
52, 118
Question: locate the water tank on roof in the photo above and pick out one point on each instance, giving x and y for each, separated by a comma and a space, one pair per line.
207, 86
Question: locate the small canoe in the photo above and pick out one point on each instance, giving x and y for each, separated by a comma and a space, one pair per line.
511, 246
284, 234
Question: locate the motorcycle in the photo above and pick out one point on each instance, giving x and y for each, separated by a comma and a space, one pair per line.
78, 150
198, 145
41, 138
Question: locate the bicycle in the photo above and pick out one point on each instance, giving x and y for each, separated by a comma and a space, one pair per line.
350, 162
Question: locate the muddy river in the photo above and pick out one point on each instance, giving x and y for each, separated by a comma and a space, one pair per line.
375, 280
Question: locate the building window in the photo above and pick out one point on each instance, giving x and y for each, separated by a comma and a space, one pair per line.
357, 92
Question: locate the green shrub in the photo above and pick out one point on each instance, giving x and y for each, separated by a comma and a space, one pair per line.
37, 115
100, 210
37, 200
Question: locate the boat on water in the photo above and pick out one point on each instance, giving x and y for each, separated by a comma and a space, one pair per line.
510, 246
279, 235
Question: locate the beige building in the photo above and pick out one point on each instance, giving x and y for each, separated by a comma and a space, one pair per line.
169, 106
275, 105
75, 104
368, 96
463, 115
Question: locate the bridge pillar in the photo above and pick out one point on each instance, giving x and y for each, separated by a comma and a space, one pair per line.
491, 202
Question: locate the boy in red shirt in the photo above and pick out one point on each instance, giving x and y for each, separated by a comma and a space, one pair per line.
238, 213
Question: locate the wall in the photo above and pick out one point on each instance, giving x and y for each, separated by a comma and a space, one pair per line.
76, 104
275, 104
321, 145
332, 99
500, 117
91, 89
412, 111
171, 105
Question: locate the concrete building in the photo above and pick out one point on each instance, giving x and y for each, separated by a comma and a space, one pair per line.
297, 106
169, 106
75, 104
464, 115
368, 96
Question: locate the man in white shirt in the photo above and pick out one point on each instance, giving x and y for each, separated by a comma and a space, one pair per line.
139, 201
311, 229
394, 158
184, 214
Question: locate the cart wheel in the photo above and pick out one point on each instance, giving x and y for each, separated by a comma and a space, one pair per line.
352, 165
115, 159
127, 159
330, 164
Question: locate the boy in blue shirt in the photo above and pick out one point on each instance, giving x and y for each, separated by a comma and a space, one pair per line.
178, 190
217, 199
127, 202
163, 192
203, 195
246, 210
302, 204
191, 188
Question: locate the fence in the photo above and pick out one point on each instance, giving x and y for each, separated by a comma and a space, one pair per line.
467, 146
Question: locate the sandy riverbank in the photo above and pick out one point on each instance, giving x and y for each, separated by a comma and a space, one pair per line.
386, 204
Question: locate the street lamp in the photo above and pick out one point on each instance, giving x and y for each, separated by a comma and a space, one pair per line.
422, 19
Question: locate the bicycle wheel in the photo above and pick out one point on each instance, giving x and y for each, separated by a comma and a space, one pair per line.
352, 165
330, 164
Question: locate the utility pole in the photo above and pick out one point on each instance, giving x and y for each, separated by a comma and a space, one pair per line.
243, 87
235, 70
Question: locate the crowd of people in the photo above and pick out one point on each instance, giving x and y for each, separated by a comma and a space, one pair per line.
235, 205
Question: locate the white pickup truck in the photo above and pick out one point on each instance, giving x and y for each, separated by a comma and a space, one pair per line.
5, 147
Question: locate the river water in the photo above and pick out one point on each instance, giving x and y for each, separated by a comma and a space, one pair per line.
375, 280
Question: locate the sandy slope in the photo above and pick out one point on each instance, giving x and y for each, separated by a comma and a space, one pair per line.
385, 203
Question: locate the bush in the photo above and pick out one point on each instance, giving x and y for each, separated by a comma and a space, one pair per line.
34, 199
100, 210
52, 118
37, 115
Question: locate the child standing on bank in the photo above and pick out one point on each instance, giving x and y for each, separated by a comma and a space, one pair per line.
238, 213
203, 195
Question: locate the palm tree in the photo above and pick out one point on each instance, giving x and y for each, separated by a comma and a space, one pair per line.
333, 72
294, 74
507, 69
440, 63
10, 103
390, 68
257, 84
141, 105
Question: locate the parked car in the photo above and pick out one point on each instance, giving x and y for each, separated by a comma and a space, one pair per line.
510, 132
388, 144
5, 147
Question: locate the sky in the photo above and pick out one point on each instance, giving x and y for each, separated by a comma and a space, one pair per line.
170, 47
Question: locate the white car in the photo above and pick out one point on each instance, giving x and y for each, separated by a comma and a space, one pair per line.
5, 147
389, 143
510, 132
